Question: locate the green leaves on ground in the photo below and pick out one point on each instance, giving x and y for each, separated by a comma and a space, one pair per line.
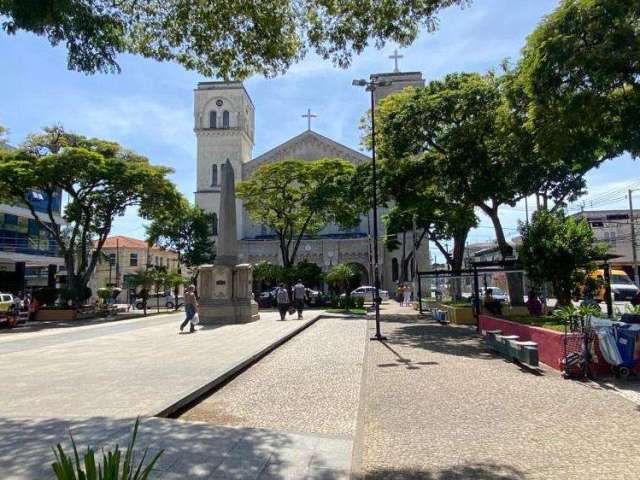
227, 39
559, 250
297, 198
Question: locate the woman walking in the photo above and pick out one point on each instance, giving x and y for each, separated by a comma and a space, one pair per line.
190, 307
282, 299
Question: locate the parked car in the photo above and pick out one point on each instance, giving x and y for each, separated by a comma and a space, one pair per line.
367, 293
6, 301
162, 300
497, 293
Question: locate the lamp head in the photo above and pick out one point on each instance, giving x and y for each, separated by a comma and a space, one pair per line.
359, 83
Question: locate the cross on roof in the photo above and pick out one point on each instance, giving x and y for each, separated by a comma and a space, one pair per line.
309, 116
395, 58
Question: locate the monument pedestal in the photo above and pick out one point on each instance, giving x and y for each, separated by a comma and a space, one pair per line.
225, 294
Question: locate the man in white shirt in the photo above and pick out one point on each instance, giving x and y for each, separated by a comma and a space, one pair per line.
299, 292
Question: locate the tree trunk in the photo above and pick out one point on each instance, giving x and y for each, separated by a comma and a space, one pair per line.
562, 291
514, 279
456, 261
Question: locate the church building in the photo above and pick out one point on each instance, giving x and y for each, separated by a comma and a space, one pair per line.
224, 117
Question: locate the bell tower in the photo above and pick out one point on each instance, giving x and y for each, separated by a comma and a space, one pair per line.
224, 121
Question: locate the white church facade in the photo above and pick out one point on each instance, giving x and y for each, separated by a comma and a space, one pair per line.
224, 117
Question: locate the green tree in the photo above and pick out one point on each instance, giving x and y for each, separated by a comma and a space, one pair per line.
3, 137
310, 273
175, 280
101, 180
159, 276
418, 198
297, 198
580, 71
343, 277
229, 39
468, 133
185, 229
556, 249
144, 280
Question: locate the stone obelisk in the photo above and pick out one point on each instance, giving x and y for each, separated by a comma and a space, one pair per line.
227, 246
225, 286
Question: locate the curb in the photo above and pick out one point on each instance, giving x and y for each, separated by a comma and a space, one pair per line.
173, 409
357, 449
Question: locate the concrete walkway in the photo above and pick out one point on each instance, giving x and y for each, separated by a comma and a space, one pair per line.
95, 380
125, 369
438, 405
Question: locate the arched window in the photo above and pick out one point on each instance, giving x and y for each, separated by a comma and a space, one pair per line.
213, 119
225, 119
394, 270
214, 175
214, 224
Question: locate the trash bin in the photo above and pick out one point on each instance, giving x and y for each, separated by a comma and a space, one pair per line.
627, 340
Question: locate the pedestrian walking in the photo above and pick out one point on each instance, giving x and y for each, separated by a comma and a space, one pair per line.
299, 294
132, 300
190, 308
282, 299
406, 295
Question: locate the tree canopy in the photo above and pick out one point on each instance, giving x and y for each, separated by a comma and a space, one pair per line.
297, 198
185, 229
467, 135
580, 71
101, 180
228, 39
417, 197
558, 249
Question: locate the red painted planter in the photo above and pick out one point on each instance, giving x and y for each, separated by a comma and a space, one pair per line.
550, 343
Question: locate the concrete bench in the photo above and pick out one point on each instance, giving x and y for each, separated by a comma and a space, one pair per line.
511, 347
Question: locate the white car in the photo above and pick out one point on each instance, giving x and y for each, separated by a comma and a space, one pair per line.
162, 300
367, 293
498, 294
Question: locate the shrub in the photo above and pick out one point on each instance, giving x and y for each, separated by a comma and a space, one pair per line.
67, 468
359, 302
104, 293
46, 295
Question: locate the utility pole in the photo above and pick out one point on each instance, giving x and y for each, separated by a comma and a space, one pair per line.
371, 86
634, 242
414, 270
117, 262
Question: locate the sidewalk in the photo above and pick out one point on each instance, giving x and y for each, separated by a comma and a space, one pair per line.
96, 379
125, 370
439, 405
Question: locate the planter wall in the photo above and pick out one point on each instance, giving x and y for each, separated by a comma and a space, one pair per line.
460, 315
53, 314
550, 343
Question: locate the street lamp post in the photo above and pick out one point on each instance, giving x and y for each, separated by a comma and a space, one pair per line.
371, 86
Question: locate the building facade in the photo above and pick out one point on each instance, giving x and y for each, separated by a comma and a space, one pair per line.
224, 125
613, 227
122, 257
29, 256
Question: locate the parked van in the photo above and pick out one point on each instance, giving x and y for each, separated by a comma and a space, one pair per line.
622, 287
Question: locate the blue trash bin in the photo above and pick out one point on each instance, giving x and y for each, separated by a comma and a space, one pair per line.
626, 342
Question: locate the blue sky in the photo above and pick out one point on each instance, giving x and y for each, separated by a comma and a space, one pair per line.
149, 106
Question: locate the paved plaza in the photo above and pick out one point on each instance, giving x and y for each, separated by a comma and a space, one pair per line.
309, 385
439, 405
94, 380
429, 403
